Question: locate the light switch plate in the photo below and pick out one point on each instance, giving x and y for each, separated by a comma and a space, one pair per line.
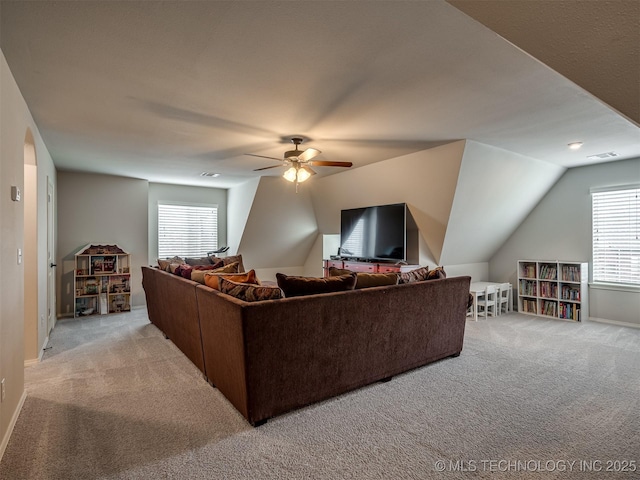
15, 193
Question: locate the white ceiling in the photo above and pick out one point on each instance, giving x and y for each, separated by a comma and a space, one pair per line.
167, 90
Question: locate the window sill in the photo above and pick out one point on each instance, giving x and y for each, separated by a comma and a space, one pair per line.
615, 286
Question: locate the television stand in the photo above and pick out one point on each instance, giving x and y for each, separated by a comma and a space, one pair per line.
367, 267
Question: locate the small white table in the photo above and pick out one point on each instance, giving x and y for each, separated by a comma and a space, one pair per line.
478, 288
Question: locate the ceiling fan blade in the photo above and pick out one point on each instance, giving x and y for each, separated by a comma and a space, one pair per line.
308, 154
267, 168
263, 156
309, 169
322, 163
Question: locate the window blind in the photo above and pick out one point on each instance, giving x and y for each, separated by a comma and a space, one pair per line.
616, 236
187, 230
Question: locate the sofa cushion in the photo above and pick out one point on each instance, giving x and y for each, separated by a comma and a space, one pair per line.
212, 280
185, 269
198, 260
336, 272
175, 268
421, 274
198, 275
436, 273
249, 292
230, 259
164, 263
294, 286
417, 275
367, 280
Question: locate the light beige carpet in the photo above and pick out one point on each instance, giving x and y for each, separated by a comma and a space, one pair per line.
114, 399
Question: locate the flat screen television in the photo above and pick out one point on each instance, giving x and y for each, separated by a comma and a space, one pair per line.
374, 233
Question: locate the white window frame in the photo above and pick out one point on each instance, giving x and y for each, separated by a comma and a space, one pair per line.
615, 244
198, 236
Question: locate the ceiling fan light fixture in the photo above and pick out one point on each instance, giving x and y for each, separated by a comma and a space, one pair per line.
303, 174
290, 175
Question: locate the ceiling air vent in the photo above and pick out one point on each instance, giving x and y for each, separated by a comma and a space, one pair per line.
209, 174
603, 156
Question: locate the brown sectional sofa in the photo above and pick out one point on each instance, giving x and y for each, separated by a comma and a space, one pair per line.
272, 356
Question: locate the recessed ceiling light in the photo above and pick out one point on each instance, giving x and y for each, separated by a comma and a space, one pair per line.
208, 174
575, 145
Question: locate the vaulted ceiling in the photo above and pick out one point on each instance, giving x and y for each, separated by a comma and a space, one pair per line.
167, 90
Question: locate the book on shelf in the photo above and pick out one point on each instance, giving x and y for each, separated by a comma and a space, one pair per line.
528, 287
571, 273
528, 270
548, 272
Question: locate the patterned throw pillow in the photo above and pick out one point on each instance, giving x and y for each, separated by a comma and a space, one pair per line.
436, 273
186, 269
293, 286
212, 279
249, 292
422, 274
417, 275
164, 263
230, 259
198, 275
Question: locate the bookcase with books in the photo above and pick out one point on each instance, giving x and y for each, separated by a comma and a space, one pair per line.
553, 289
102, 279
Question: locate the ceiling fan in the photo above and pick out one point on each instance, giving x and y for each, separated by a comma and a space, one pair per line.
299, 162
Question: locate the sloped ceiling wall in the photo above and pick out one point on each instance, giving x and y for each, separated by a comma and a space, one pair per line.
467, 198
595, 44
425, 180
496, 190
280, 228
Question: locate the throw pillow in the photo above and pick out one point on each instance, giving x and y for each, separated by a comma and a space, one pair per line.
436, 273
164, 263
417, 275
174, 268
367, 280
249, 292
294, 286
185, 269
198, 275
198, 261
230, 259
212, 280
336, 272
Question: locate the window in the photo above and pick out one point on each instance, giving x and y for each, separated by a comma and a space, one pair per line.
616, 236
187, 230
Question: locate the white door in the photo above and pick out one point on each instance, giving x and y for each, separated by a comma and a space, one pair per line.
51, 272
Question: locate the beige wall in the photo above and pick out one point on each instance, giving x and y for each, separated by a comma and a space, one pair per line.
559, 228
280, 228
32, 346
101, 209
425, 180
15, 122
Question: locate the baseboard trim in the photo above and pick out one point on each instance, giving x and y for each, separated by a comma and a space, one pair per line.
34, 361
14, 420
614, 322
